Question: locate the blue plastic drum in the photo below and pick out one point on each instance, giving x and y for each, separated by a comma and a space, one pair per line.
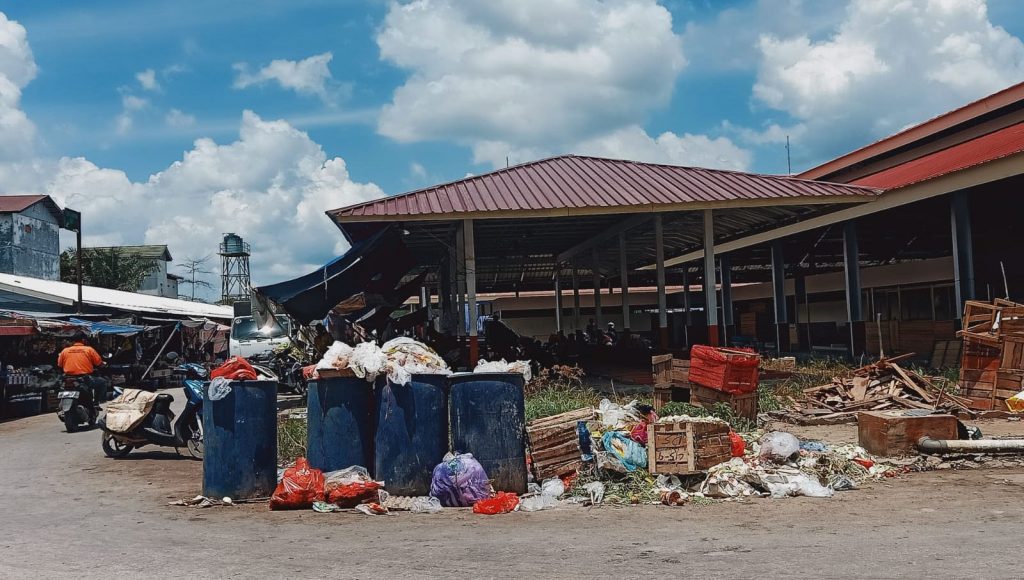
488, 419
240, 441
340, 430
412, 433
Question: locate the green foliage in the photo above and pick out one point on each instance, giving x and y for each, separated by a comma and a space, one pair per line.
106, 268
719, 410
291, 440
560, 389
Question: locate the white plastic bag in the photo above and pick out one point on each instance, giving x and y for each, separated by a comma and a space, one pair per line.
502, 366
426, 505
596, 491
615, 416
535, 503
336, 357
779, 446
367, 361
219, 388
552, 487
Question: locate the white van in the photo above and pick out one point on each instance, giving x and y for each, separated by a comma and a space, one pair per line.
246, 339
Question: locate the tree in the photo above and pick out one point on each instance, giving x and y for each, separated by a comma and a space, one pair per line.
107, 268
194, 269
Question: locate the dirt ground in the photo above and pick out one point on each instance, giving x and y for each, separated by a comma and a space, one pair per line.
67, 511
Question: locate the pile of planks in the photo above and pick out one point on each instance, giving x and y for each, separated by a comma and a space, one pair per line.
992, 362
876, 387
554, 443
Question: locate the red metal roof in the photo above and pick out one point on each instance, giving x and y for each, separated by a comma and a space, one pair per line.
983, 149
16, 203
998, 100
596, 185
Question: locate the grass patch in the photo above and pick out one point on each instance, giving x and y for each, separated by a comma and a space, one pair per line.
291, 440
718, 410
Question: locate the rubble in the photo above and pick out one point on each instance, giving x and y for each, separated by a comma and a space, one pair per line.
878, 386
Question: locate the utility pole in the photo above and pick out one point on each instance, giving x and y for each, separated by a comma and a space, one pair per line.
789, 163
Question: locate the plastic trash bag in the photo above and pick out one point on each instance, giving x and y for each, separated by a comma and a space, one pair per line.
631, 454
351, 486
425, 505
336, 357
614, 416
783, 485
502, 503
372, 509
407, 357
219, 388
235, 368
739, 446
502, 366
300, 486
367, 361
779, 446
459, 481
840, 482
596, 491
552, 487
814, 446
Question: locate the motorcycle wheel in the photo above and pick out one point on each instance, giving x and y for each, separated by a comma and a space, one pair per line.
195, 443
299, 389
71, 419
114, 448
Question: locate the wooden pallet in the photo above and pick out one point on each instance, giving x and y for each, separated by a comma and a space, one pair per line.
554, 444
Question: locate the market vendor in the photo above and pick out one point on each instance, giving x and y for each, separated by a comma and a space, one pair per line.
81, 360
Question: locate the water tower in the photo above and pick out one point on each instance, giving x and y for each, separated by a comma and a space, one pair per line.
234, 269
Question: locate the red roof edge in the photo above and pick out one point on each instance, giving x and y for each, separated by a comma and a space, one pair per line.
972, 110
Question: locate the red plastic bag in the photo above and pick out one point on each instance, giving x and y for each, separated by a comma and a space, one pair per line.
299, 488
353, 494
639, 433
739, 446
499, 504
235, 368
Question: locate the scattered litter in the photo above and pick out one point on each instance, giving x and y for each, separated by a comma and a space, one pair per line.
779, 446
737, 445
425, 505
813, 446
840, 482
615, 416
351, 486
502, 366
596, 491
502, 503
631, 454
219, 388
371, 509
201, 501
326, 508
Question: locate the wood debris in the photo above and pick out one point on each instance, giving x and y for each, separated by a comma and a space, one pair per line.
876, 387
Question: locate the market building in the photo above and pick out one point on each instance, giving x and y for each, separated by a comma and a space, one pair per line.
30, 236
887, 241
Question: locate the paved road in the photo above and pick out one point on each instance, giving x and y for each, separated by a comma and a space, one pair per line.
66, 511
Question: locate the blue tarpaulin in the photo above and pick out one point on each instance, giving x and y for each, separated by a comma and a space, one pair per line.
96, 328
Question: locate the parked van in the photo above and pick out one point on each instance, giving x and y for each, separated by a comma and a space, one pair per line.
246, 339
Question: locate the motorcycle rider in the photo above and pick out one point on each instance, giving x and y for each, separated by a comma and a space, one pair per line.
81, 360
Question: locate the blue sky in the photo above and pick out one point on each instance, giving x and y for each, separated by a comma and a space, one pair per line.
378, 98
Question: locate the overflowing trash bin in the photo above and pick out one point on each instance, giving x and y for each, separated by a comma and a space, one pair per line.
240, 441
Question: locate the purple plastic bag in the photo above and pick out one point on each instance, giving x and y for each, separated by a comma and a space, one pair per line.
460, 481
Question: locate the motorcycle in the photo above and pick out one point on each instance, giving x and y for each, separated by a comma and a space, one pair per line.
77, 404
157, 427
282, 366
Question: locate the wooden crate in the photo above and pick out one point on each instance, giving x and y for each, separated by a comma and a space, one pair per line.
661, 370
946, 354
686, 447
554, 444
742, 405
675, 393
891, 433
680, 371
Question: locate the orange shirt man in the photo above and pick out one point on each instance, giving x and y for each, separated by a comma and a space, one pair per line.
79, 359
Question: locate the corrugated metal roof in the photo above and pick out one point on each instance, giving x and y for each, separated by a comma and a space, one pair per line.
64, 293
983, 149
573, 185
151, 252
16, 203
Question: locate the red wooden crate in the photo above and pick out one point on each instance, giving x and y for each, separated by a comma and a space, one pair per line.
731, 370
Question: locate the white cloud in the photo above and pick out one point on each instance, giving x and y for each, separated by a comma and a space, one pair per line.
417, 171
130, 105
179, 120
886, 64
670, 148
310, 76
147, 80
17, 69
521, 78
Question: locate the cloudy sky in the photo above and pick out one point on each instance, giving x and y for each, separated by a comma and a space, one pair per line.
173, 122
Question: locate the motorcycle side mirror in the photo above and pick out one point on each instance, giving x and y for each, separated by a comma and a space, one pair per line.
171, 356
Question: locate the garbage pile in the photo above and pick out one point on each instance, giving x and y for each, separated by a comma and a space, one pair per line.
398, 359
878, 386
502, 366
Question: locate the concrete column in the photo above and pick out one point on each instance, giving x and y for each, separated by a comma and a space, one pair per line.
598, 317
460, 280
779, 297
470, 249
710, 292
687, 304
659, 252
558, 300
445, 293
851, 269
803, 313
728, 324
575, 301
963, 251
624, 280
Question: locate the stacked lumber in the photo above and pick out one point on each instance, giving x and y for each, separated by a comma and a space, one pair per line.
992, 363
878, 386
554, 444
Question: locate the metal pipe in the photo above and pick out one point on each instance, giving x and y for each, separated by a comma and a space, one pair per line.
931, 446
